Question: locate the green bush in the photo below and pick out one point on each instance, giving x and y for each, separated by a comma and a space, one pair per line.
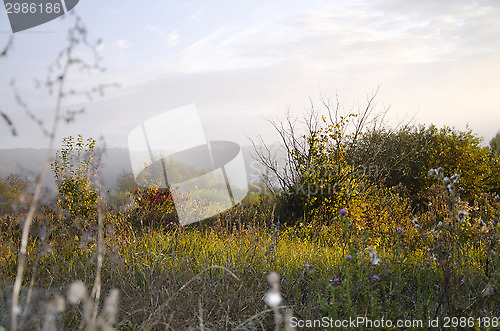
402, 157
75, 171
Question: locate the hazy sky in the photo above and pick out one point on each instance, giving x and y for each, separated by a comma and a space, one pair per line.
243, 62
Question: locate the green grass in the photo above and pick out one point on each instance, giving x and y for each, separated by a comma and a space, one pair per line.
167, 280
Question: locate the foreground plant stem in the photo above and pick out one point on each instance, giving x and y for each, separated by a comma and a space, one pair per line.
21, 265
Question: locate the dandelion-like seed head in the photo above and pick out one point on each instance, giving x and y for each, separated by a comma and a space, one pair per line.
374, 258
273, 278
77, 292
111, 303
273, 299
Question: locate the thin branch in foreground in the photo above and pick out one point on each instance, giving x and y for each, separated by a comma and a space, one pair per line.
9, 123
7, 47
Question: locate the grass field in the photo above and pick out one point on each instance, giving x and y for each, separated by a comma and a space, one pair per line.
212, 276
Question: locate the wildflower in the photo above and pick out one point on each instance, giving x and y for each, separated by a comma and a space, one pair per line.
376, 278
330, 300
349, 256
425, 234
461, 215
374, 258
336, 281
343, 211
493, 223
400, 229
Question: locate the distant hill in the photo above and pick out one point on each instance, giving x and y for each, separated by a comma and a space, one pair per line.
29, 161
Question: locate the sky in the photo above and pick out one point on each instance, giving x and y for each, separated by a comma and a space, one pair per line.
243, 63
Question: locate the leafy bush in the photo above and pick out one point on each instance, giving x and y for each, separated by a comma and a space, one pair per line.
15, 193
403, 155
75, 172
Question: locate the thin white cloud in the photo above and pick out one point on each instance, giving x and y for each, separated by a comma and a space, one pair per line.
171, 39
123, 44
198, 13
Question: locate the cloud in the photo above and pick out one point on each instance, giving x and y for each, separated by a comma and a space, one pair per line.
123, 44
197, 14
171, 39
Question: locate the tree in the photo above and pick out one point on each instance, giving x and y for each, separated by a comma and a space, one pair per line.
495, 144
75, 172
316, 177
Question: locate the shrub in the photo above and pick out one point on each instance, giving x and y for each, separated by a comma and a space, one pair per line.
75, 171
403, 155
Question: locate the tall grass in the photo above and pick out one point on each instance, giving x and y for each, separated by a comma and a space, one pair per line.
174, 277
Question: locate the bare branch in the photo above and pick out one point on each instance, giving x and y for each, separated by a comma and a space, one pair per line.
7, 46
9, 123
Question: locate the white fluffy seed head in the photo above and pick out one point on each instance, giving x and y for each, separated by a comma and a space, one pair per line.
273, 278
111, 304
273, 299
77, 292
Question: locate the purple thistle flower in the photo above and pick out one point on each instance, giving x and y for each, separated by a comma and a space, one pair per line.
349, 256
336, 281
376, 278
343, 211
400, 229
424, 234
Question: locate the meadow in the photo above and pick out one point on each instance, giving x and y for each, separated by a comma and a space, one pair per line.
213, 275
